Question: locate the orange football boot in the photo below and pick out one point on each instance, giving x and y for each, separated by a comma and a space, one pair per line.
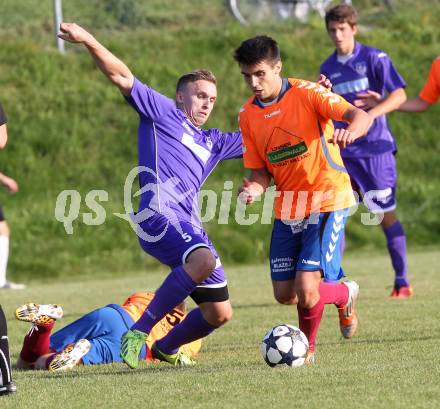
348, 321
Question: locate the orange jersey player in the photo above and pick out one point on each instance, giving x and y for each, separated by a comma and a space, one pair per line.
429, 94
291, 142
93, 339
288, 136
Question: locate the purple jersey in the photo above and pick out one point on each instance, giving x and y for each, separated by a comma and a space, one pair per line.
368, 69
176, 157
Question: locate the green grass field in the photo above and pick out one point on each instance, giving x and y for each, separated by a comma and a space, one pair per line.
70, 129
393, 362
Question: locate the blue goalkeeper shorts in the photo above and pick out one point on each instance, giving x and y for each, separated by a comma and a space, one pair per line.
104, 328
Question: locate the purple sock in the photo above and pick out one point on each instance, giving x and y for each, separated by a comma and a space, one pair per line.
193, 327
176, 287
396, 242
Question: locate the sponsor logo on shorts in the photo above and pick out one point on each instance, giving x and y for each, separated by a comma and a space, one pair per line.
311, 262
281, 264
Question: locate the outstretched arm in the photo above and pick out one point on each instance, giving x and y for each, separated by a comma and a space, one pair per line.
112, 67
377, 106
10, 184
371, 99
414, 105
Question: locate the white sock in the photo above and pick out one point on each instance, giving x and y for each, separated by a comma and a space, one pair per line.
4, 254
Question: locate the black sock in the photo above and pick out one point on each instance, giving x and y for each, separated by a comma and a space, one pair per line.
5, 361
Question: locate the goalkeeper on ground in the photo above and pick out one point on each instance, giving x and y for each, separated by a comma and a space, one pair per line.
94, 338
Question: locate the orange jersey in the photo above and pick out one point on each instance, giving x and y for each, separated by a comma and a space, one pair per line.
290, 139
431, 90
136, 304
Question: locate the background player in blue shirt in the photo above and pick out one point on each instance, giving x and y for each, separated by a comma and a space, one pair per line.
175, 158
358, 72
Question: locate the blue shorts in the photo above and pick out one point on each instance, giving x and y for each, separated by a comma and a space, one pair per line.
308, 245
174, 246
375, 178
104, 328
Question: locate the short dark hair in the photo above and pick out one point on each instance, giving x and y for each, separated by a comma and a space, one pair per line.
341, 14
194, 76
258, 49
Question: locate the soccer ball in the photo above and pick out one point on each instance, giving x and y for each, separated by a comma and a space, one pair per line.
284, 345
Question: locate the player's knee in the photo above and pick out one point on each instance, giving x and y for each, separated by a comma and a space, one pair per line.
217, 314
308, 296
286, 300
226, 316
200, 264
285, 297
307, 288
389, 219
221, 317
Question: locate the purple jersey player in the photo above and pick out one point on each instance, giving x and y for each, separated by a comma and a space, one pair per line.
358, 73
175, 158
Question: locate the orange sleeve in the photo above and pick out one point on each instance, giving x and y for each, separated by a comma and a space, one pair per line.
326, 103
251, 158
431, 90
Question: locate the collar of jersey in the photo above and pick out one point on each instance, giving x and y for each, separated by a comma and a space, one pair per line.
185, 118
356, 50
285, 86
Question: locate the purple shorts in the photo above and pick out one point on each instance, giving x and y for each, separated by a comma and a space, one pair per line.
375, 178
172, 243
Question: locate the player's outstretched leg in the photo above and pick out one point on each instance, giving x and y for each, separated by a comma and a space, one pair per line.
71, 356
7, 387
37, 340
177, 359
348, 321
176, 288
193, 327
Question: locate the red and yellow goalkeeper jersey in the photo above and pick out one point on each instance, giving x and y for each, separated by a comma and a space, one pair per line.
290, 139
431, 90
136, 304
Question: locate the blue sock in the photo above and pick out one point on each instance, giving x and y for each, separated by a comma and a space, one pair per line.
342, 243
176, 287
396, 242
193, 327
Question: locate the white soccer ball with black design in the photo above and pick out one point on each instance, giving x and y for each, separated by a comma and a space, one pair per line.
284, 345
